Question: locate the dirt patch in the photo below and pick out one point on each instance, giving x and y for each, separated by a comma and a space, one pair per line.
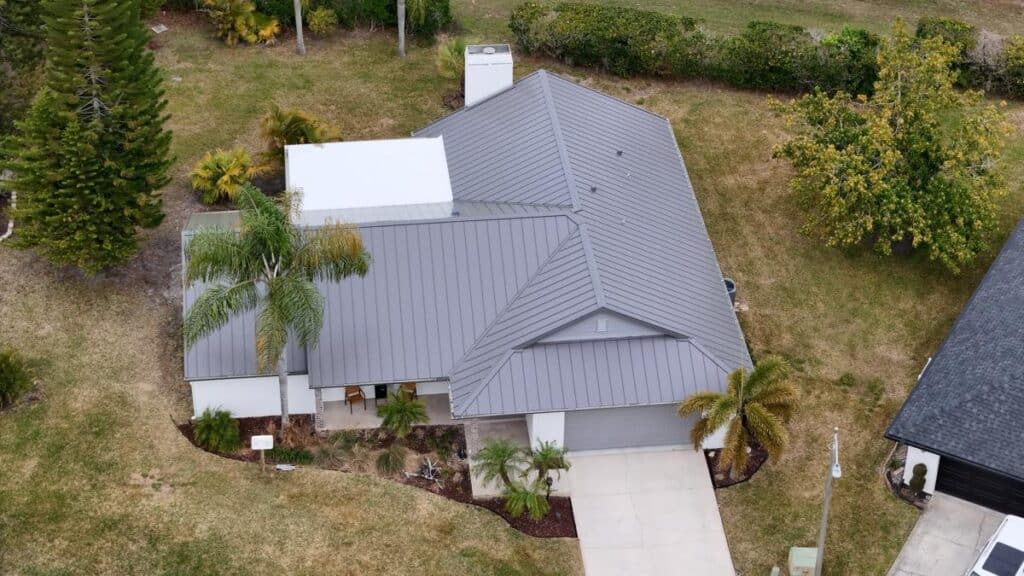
757, 458
559, 523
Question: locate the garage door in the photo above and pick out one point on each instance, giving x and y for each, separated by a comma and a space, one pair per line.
980, 486
626, 428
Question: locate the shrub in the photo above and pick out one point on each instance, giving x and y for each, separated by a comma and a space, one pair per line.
401, 413
238, 20
451, 60
323, 21
216, 431
848, 61
956, 32
443, 443
221, 174
282, 10
353, 13
392, 460
279, 128
526, 24
1013, 64
288, 455
15, 377
917, 478
624, 41
527, 498
769, 55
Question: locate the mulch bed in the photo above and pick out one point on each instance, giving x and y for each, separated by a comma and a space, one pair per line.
560, 523
758, 456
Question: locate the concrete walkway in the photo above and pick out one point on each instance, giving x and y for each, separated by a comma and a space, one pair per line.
947, 538
647, 512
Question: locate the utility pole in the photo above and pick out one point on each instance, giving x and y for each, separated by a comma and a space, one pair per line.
834, 471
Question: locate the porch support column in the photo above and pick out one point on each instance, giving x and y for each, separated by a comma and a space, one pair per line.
318, 418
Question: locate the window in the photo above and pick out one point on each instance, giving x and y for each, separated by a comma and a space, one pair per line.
1004, 560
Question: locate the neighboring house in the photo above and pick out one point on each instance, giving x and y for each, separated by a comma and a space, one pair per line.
537, 255
965, 418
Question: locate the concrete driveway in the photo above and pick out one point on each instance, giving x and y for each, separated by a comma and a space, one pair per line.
647, 512
947, 538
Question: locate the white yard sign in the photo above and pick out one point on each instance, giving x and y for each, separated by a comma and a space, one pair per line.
263, 442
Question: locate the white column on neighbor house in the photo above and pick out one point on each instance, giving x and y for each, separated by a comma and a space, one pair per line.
917, 456
546, 427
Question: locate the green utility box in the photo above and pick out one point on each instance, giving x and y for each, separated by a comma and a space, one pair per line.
801, 561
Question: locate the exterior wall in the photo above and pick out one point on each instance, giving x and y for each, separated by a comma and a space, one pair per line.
546, 427
628, 427
251, 397
915, 456
601, 325
716, 440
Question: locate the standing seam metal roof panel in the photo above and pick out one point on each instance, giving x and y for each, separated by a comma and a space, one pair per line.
432, 289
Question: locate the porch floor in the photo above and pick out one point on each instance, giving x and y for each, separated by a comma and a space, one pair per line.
340, 416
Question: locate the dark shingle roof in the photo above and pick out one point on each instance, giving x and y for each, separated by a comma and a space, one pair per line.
969, 402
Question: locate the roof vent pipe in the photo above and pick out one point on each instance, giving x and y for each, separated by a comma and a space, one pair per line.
488, 71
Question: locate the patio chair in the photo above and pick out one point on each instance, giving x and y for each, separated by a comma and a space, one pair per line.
354, 394
409, 390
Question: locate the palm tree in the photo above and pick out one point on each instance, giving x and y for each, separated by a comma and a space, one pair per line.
401, 413
279, 128
500, 458
546, 458
756, 406
401, 28
300, 44
269, 265
521, 498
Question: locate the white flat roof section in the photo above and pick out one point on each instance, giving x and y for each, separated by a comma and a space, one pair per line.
371, 173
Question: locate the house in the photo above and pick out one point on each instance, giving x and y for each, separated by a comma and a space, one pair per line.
538, 255
964, 419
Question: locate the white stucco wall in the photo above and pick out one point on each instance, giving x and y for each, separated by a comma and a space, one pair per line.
716, 440
915, 456
546, 427
251, 397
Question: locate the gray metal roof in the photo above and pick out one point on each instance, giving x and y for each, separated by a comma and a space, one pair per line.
599, 374
569, 203
969, 402
432, 290
641, 233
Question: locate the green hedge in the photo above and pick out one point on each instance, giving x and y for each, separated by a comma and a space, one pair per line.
765, 56
633, 42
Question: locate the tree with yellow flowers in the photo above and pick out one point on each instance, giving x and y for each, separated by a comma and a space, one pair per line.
914, 163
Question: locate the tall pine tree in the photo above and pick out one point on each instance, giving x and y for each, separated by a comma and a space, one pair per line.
92, 152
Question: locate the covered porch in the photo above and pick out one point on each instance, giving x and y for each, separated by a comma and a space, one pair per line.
337, 414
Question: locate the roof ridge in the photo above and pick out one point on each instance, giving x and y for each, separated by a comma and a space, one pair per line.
570, 181
457, 219
600, 93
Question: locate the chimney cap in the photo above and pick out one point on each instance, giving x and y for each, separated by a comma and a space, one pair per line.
488, 49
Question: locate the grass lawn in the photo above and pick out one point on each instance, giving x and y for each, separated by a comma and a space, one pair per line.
96, 479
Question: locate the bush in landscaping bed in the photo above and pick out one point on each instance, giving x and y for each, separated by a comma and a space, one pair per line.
15, 377
217, 431
391, 460
768, 56
624, 41
220, 174
917, 478
287, 455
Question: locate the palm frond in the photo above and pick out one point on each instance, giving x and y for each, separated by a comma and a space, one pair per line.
734, 450
699, 433
215, 254
271, 336
332, 252
279, 128
722, 412
770, 369
215, 306
300, 304
779, 398
735, 383
767, 429
698, 403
